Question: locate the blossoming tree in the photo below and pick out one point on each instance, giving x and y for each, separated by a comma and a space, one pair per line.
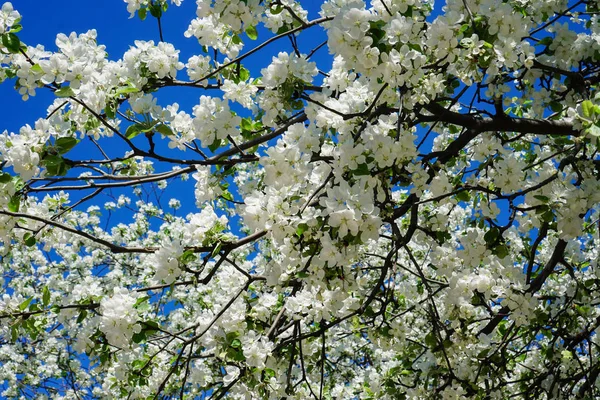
407, 210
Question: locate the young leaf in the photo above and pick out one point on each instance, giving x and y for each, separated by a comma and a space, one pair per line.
14, 333
139, 337
64, 144
142, 12
14, 204
25, 304
246, 125
150, 327
82, 315
45, 296
29, 239
11, 42
65, 91
251, 32
587, 108
132, 131
165, 130
244, 74
5, 178
110, 110
491, 235
215, 145
276, 9
362, 169
155, 10
463, 195
217, 249
502, 251
127, 89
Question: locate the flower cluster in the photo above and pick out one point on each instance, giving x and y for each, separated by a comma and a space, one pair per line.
213, 120
8, 17
402, 202
119, 318
146, 61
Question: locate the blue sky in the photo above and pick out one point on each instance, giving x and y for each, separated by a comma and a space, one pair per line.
42, 21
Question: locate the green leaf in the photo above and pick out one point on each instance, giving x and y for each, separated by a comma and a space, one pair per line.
187, 256
594, 130
443, 236
155, 10
276, 9
301, 229
501, 251
215, 145
430, 339
110, 110
140, 301
25, 304
139, 337
51, 160
150, 327
37, 68
142, 12
11, 42
301, 275
10, 72
14, 204
297, 104
45, 296
57, 170
165, 130
556, 106
5, 178
463, 196
16, 28
541, 198
127, 89
587, 107
362, 169
246, 124
135, 129
251, 33
81, 316
244, 74
491, 235
548, 216
64, 144
217, 249
132, 131
227, 196
29, 239
545, 41
236, 39
65, 91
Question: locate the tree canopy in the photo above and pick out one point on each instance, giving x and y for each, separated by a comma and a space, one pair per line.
401, 203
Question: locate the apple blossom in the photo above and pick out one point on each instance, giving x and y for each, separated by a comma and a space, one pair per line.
392, 199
